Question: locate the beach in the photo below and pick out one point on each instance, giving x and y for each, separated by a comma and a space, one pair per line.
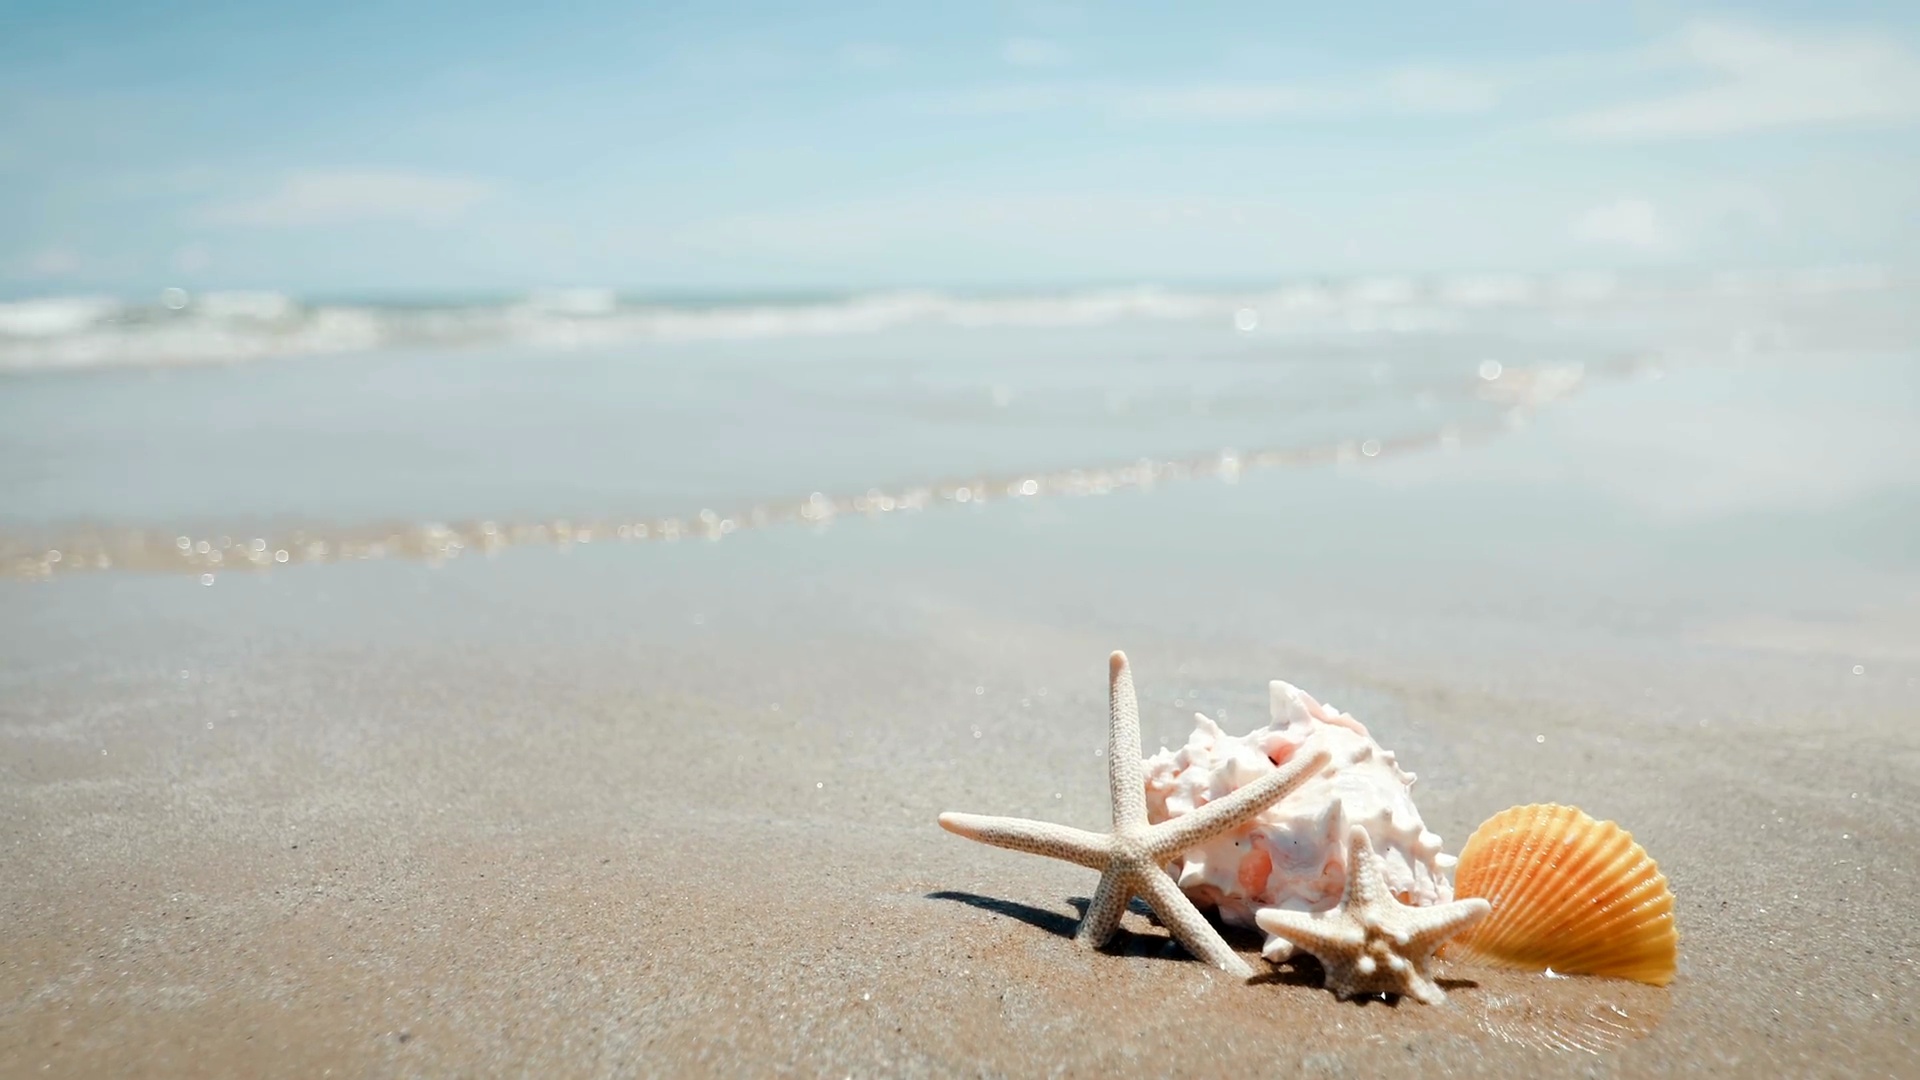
500, 779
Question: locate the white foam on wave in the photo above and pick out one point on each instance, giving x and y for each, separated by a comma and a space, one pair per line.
91, 331
257, 306
54, 316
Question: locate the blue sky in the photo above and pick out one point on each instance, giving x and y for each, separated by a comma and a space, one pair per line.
704, 147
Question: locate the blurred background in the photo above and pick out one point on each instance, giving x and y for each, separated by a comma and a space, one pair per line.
426, 278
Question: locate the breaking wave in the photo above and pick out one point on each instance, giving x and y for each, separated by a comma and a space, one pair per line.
179, 328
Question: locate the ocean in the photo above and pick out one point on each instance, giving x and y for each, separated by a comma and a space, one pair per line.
207, 434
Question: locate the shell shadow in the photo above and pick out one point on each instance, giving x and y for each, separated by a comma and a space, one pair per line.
1305, 971
1301, 970
1570, 1014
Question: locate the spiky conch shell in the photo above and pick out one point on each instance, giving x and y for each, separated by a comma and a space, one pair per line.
1568, 893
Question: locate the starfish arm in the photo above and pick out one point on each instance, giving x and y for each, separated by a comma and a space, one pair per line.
1326, 937
1355, 978
1189, 927
1169, 839
1430, 927
1366, 888
1104, 910
1423, 989
1124, 772
1035, 837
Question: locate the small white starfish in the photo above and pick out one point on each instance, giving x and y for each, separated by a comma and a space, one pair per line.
1131, 859
1372, 943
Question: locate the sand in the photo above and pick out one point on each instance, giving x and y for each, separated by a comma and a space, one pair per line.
602, 814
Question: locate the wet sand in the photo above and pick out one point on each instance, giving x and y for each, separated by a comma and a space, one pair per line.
595, 814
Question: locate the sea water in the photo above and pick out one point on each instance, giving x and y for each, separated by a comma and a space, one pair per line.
205, 434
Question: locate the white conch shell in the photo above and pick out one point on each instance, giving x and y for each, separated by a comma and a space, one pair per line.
1294, 854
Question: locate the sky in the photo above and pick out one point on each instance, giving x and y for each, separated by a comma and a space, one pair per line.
673, 148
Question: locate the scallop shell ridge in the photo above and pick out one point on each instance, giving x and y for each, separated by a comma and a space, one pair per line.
1568, 893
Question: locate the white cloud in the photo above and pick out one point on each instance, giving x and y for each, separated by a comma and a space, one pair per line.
1419, 90
1744, 77
351, 196
1411, 90
1033, 53
1765, 78
1628, 223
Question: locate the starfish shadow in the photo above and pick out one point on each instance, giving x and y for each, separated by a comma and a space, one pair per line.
1125, 942
1053, 922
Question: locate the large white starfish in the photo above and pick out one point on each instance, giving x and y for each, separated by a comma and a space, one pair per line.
1132, 857
1372, 943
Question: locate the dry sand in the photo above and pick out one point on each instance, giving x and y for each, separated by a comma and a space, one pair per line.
554, 817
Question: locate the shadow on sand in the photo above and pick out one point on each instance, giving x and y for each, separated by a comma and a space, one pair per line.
1125, 942
1301, 970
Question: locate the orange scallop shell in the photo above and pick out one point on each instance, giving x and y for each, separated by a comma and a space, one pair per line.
1568, 893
